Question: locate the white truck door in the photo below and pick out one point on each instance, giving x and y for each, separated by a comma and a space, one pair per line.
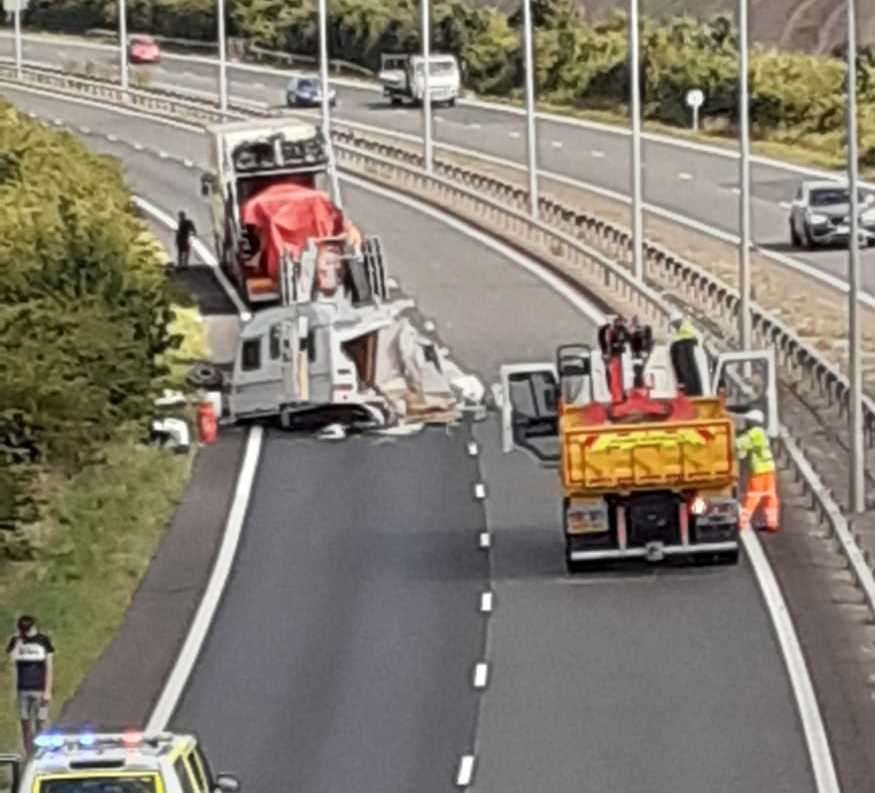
751, 381
529, 419
259, 384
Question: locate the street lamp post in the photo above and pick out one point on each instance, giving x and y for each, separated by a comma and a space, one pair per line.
635, 107
18, 59
223, 71
745, 331
428, 147
855, 364
325, 104
531, 128
123, 42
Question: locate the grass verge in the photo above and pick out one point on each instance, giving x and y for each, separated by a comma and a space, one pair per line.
97, 534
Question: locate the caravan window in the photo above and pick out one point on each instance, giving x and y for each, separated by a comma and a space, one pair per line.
275, 342
251, 357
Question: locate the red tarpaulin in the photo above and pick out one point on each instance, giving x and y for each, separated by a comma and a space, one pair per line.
286, 216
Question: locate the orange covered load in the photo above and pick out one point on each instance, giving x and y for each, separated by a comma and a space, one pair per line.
284, 217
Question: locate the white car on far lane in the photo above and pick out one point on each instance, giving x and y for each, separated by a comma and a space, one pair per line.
820, 215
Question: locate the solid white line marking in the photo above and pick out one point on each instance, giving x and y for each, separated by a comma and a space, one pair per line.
473, 449
198, 629
806, 700
485, 540
685, 177
486, 602
481, 674
203, 252
466, 771
479, 491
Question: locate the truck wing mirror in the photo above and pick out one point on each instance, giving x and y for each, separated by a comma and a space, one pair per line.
207, 184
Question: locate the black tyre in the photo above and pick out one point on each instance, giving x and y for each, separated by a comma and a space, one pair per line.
809, 241
204, 375
451, 102
395, 101
795, 240
728, 557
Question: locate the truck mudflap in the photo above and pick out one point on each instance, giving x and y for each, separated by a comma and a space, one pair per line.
655, 551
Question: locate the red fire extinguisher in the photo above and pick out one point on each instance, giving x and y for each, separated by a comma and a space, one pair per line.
207, 424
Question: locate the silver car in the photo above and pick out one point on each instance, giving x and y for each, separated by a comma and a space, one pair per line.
820, 215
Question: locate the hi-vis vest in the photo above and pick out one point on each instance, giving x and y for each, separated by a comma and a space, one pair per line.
755, 443
685, 331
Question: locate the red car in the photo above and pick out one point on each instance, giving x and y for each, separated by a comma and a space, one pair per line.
143, 49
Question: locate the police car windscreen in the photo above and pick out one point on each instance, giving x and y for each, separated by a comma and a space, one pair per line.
100, 784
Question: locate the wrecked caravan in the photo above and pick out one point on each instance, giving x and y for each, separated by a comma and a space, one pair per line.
341, 350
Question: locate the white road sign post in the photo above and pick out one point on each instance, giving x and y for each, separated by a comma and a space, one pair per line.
695, 100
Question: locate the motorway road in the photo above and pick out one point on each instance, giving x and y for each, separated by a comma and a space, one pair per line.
342, 652
694, 184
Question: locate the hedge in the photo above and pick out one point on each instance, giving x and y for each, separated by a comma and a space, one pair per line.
84, 308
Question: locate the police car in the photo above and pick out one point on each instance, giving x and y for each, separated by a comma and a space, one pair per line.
129, 762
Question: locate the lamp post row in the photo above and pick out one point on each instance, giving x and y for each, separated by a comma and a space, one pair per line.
857, 456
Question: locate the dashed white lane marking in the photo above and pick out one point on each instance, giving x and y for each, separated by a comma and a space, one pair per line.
685, 177
83, 130
481, 674
514, 134
112, 138
485, 540
473, 449
785, 205
473, 126
735, 190
58, 122
597, 153
486, 604
480, 491
466, 770
188, 163
163, 155
557, 144
138, 147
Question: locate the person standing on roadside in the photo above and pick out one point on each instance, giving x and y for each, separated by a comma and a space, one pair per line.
185, 230
32, 654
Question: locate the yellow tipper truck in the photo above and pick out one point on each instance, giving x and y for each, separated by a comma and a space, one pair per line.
644, 443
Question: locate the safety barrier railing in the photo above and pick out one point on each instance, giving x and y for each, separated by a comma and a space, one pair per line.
569, 241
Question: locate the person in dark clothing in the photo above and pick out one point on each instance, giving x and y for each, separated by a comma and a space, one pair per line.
185, 230
32, 653
682, 350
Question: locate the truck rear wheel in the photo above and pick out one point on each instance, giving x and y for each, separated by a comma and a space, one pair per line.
728, 557
396, 100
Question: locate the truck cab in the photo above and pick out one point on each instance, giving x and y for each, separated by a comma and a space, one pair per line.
647, 470
128, 762
403, 78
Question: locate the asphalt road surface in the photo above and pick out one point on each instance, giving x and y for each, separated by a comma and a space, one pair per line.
694, 184
342, 652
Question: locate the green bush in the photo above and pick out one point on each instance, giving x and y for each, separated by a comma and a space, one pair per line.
84, 305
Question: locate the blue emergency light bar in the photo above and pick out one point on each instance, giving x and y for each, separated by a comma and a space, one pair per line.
130, 739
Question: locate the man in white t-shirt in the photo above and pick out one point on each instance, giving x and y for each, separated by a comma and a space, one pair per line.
32, 653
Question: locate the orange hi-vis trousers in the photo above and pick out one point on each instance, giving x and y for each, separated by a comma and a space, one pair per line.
761, 489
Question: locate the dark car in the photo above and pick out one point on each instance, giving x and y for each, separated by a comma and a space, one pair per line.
307, 92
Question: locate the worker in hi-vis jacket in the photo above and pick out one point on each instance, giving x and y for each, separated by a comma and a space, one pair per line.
762, 487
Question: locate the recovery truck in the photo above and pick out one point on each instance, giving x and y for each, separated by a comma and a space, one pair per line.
267, 194
645, 447
330, 343
403, 78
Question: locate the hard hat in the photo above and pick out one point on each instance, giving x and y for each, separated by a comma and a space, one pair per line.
675, 318
756, 416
